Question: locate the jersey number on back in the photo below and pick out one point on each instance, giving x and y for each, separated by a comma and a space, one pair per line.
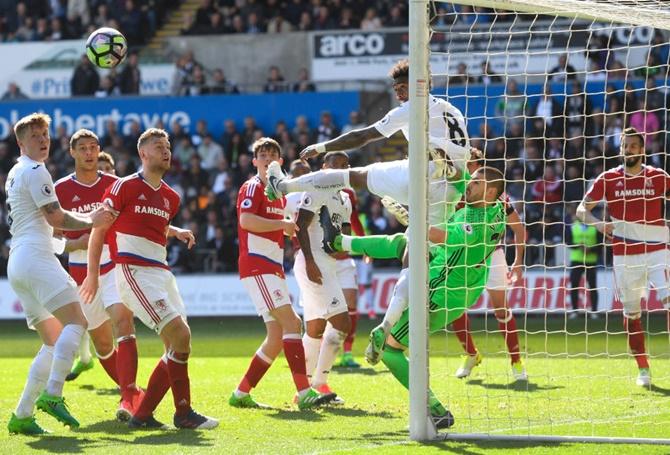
456, 133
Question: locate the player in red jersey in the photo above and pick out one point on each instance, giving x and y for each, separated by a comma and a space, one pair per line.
106, 163
500, 277
261, 228
145, 204
82, 192
634, 194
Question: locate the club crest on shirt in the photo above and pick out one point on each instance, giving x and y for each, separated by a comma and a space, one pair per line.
161, 305
46, 190
467, 227
277, 295
334, 302
166, 203
246, 204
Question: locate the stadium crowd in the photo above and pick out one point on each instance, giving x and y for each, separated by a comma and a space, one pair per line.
54, 20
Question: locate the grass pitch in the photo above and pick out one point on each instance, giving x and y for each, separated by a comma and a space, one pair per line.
581, 383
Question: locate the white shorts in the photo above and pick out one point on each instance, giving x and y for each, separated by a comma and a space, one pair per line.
634, 272
151, 293
391, 178
363, 272
107, 295
346, 274
497, 271
40, 282
319, 301
267, 292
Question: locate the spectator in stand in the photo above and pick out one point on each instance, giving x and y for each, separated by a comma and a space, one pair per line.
130, 21
85, 80
221, 85
107, 88
461, 77
548, 189
546, 110
305, 24
215, 26
203, 13
661, 49
302, 127
182, 151
254, 25
397, 17
510, 108
355, 122
577, 108
201, 130
250, 130
304, 84
275, 82
13, 93
278, 24
652, 69
655, 95
210, 153
488, 76
102, 16
647, 123
322, 19
130, 77
630, 98
222, 173
346, 20
326, 129
371, 21
563, 71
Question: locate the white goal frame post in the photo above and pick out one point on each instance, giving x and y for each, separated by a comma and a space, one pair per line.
647, 13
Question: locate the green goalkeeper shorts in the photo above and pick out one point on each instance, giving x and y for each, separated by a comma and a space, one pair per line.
447, 303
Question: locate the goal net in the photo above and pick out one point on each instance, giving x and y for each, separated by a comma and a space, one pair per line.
546, 88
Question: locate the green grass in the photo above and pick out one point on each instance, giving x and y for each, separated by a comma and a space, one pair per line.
569, 393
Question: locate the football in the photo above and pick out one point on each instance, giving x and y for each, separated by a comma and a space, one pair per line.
106, 47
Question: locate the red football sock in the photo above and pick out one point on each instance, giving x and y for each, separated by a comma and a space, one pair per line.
349, 340
179, 382
295, 356
636, 341
462, 330
257, 369
126, 366
159, 383
109, 364
509, 333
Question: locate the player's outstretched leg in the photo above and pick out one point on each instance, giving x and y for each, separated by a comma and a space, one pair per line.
636, 343
85, 361
347, 358
159, 384
507, 327
328, 180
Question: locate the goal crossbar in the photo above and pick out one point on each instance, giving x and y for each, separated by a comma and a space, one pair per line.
650, 13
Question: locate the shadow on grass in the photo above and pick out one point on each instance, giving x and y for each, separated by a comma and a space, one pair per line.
181, 437
286, 414
659, 390
357, 412
517, 386
361, 371
111, 426
100, 391
467, 448
63, 444
382, 438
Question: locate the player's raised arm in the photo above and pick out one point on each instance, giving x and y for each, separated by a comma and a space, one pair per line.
305, 218
254, 223
347, 141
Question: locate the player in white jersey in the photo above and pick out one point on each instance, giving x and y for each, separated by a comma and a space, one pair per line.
447, 134
326, 313
48, 294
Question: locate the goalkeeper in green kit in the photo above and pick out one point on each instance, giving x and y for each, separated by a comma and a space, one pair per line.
458, 268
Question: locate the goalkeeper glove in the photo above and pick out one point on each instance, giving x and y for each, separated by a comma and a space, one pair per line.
396, 209
443, 166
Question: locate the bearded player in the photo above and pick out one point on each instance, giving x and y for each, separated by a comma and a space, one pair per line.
634, 194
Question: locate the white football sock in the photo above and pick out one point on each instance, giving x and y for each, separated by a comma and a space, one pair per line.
85, 348
37, 380
312, 346
327, 179
398, 302
65, 349
332, 340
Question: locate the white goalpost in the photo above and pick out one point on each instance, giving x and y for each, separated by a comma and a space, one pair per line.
546, 88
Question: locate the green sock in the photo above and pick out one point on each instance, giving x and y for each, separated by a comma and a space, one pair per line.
337, 243
379, 246
398, 364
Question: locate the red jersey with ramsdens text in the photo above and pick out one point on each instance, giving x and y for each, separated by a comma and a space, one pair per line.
139, 234
81, 198
261, 253
636, 205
